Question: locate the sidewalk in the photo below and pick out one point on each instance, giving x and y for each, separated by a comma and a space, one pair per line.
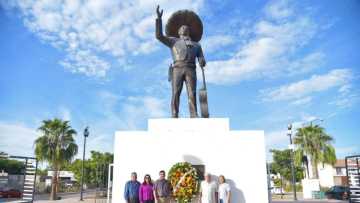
288, 197
69, 200
89, 197
309, 201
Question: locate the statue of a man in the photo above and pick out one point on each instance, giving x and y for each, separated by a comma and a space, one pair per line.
184, 52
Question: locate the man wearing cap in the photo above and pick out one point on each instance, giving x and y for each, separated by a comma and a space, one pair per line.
208, 190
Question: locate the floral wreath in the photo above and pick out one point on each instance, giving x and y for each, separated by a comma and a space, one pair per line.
184, 180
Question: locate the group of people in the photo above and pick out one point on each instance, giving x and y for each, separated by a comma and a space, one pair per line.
161, 190
148, 192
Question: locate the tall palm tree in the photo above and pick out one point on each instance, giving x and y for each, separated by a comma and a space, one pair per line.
56, 146
314, 142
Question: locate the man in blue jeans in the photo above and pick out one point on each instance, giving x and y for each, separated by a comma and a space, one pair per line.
131, 193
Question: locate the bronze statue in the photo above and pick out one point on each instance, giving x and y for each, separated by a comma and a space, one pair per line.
184, 30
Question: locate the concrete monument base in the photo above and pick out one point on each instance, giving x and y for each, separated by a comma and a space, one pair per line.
309, 186
238, 155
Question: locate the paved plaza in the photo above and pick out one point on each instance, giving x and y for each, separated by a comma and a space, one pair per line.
307, 201
91, 200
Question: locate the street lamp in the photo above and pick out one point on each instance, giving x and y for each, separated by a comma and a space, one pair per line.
86, 134
289, 133
312, 121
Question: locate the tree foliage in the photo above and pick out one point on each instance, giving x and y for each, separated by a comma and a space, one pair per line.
314, 142
57, 146
95, 168
11, 166
282, 164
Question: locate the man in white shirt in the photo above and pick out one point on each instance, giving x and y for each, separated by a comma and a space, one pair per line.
224, 190
208, 190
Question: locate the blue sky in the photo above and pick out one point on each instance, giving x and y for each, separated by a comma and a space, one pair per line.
97, 63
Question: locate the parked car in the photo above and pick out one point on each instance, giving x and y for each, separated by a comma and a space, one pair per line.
3, 192
338, 192
12, 193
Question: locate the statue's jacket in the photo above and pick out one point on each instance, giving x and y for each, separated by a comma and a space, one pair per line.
183, 50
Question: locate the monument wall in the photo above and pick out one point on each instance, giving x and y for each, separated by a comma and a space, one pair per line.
238, 155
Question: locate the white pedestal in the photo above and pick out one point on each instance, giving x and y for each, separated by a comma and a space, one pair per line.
239, 155
310, 185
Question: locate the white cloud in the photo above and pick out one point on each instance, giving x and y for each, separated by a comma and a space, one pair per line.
276, 138
83, 61
17, 139
305, 120
271, 50
116, 112
300, 89
302, 101
65, 113
307, 64
97, 141
91, 31
346, 151
345, 101
278, 10
119, 112
138, 109
216, 42
346, 97
108, 99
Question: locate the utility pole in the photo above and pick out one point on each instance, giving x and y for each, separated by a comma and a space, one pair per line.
269, 182
86, 134
292, 148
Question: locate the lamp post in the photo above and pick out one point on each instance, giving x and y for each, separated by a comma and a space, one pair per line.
86, 134
289, 133
269, 182
312, 121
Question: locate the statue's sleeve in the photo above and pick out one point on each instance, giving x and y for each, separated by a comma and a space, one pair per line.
159, 34
201, 57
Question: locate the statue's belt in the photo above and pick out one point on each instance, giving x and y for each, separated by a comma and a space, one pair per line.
180, 64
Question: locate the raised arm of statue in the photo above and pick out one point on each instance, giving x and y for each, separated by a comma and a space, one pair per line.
201, 58
159, 33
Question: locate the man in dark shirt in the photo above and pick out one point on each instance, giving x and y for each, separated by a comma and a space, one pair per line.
162, 189
131, 193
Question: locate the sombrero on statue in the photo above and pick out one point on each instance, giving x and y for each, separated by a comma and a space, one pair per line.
184, 17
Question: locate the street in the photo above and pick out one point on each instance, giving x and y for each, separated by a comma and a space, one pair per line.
307, 201
89, 196
69, 195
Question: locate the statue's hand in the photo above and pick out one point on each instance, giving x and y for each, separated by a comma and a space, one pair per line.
158, 12
202, 63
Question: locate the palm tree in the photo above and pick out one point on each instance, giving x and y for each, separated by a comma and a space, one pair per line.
56, 146
316, 143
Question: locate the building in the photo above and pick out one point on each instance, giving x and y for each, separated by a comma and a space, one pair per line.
193, 141
340, 172
328, 176
332, 175
66, 177
11, 181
